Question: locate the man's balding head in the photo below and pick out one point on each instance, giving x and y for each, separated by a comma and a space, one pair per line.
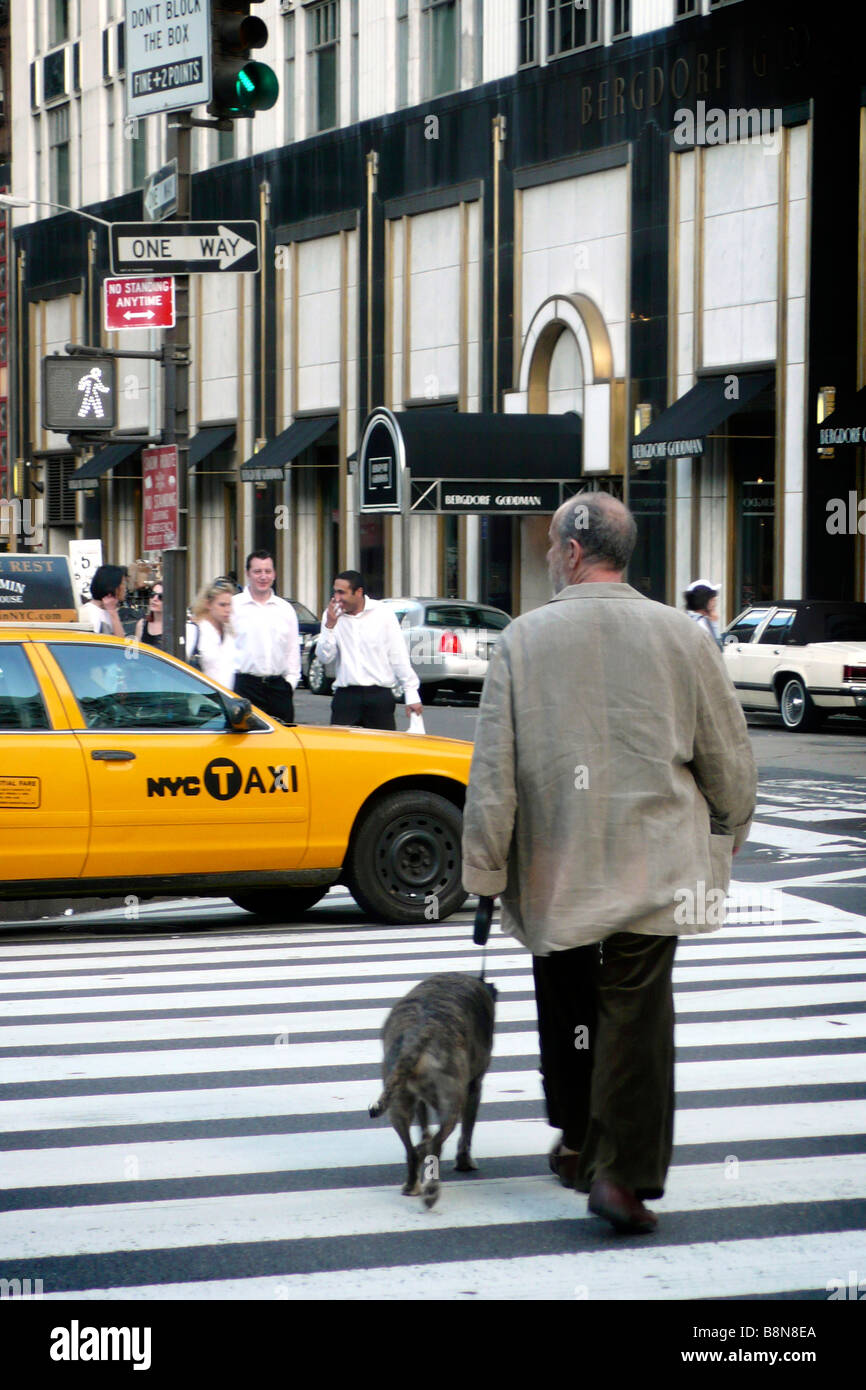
592, 537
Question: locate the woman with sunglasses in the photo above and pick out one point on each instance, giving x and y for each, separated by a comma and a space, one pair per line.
149, 628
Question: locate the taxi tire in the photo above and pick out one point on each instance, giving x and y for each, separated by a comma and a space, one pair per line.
406, 853
275, 903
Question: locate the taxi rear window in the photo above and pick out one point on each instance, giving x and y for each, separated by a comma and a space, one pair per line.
21, 705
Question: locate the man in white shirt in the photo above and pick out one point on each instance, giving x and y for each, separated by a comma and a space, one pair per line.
267, 641
365, 638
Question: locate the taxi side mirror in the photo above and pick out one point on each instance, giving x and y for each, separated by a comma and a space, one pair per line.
239, 715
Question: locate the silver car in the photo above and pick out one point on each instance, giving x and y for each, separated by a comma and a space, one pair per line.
450, 642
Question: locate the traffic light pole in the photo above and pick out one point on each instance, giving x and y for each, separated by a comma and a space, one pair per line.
176, 405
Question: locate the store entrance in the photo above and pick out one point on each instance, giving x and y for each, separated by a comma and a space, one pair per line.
497, 550
755, 528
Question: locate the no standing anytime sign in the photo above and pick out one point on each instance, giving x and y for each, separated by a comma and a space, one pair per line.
139, 303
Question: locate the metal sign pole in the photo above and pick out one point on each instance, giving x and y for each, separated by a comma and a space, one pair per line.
176, 403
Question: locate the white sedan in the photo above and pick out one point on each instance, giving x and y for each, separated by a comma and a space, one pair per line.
805, 659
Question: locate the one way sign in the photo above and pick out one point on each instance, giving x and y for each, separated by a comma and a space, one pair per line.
184, 248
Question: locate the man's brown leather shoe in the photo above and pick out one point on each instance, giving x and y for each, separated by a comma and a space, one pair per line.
563, 1166
618, 1205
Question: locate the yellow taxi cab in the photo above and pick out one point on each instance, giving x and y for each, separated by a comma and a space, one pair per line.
125, 771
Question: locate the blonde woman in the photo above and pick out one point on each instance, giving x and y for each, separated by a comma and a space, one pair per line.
215, 649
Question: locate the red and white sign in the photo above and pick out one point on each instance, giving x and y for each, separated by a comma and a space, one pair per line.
139, 303
159, 497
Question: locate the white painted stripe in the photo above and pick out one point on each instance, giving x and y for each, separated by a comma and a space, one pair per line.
345, 1212
370, 1147
693, 1001
719, 946
634, 1270
125, 986
280, 1053
268, 1026
801, 841
352, 1096
813, 815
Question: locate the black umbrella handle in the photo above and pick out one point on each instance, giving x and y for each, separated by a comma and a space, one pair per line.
483, 918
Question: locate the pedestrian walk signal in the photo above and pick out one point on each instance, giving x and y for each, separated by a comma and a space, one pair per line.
78, 393
241, 86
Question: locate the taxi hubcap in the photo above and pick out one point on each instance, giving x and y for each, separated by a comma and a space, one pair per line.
415, 856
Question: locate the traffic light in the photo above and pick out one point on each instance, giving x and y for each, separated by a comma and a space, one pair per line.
78, 394
241, 86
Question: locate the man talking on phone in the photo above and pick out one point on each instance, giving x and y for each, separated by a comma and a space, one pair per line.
364, 637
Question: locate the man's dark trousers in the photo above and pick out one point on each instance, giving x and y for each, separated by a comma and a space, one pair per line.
365, 706
270, 693
606, 1027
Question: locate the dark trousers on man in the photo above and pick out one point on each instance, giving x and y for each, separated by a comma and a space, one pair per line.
273, 694
606, 1028
365, 706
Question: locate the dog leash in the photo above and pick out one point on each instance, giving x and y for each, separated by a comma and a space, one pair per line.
483, 919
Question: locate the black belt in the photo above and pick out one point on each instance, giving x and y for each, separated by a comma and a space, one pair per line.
265, 680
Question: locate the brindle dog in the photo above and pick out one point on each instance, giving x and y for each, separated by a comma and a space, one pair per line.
437, 1041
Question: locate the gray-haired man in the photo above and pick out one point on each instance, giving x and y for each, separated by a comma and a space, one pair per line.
611, 780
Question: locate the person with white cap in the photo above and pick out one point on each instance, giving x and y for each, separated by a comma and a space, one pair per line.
701, 605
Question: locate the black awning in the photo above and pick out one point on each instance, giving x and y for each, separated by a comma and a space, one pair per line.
679, 431
205, 443
269, 464
101, 463
847, 424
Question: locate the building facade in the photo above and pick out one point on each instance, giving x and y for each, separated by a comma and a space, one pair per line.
649, 215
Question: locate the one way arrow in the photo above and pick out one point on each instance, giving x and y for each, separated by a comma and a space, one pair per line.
223, 246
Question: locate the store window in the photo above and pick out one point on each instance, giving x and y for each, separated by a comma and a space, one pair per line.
58, 21
402, 52
289, 80
323, 44
58, 144
621, 18
571, 26
440, 20
527, 41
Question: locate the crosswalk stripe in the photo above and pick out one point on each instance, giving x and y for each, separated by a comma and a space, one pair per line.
279, 1054
744, 1000
136, 1064
345, 1212
378, 1145
760, 1268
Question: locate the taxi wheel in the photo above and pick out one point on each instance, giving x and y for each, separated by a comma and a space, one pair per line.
279, 903
406, 864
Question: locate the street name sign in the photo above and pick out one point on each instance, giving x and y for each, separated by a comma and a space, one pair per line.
184, 248
168, 55
139, 304
160, 192
78, 393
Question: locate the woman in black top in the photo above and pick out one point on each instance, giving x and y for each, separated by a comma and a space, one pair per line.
149, 628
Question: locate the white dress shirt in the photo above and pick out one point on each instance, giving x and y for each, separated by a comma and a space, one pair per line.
95, 617
267, 642
218, 656
370, 649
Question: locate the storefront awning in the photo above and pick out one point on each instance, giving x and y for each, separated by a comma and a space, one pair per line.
89, 473
680, 430
501, 462
269, 464
204, 445
847, 425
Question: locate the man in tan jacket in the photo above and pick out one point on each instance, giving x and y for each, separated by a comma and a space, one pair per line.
612, 778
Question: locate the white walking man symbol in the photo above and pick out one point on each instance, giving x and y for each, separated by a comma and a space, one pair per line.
92, 386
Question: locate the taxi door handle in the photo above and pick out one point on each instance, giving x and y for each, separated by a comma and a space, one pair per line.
112, 755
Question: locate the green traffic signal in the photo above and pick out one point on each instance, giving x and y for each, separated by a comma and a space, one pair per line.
256, 87
241, 86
